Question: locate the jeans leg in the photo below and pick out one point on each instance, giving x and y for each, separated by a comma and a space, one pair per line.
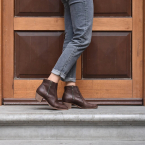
82, 12
71, 75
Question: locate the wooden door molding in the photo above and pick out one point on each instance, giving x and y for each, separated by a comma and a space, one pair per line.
99, 24
144, 54
116, 89
0, 52
8, 48
137, 48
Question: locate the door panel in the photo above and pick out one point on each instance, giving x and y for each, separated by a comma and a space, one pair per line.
36, 53
112, 7
111, 67
38, 8
55, 8
108, 56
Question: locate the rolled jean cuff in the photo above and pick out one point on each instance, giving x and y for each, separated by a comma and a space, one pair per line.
69, 79
57, 72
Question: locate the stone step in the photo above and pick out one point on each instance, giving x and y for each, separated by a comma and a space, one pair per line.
39, 122
69, 142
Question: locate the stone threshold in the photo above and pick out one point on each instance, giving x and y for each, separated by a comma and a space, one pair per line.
43, 114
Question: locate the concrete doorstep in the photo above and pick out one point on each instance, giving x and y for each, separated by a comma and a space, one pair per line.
69, 142
24, 124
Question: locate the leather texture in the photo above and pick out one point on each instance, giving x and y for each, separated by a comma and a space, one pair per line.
48, 90
73, 95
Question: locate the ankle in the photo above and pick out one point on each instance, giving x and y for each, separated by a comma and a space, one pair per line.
54, 78
70, 84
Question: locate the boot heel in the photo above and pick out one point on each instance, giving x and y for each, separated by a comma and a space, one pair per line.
38, 97
68, 105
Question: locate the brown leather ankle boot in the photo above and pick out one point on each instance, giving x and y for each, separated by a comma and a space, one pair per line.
72, 95
48, 91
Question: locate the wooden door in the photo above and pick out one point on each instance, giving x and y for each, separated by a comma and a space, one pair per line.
110, 70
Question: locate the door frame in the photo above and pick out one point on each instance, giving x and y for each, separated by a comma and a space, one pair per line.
1, 52
6, 77
144, 52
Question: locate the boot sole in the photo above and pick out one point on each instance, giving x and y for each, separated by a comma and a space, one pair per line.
39, 99
69, 105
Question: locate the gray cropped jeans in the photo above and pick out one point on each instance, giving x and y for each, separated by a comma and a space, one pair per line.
78, 18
